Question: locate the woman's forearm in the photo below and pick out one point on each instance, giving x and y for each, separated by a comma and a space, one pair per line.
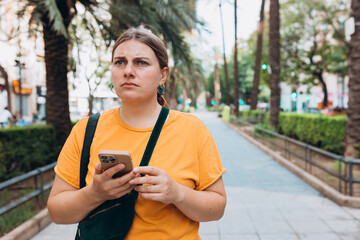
201, 206
71, 206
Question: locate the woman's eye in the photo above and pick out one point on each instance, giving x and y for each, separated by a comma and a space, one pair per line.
142, 63
119, 62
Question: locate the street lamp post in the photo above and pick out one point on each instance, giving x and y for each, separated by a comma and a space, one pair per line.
21, 66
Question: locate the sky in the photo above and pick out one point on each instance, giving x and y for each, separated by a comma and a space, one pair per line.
247, 14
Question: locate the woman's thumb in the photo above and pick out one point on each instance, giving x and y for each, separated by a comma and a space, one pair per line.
98, 169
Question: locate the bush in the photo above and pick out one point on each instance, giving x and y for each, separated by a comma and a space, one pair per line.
26, 148
251, 113
325, 132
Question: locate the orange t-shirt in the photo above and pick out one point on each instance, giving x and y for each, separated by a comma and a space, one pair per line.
185, 150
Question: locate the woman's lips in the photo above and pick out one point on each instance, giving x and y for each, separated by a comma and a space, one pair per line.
128, 84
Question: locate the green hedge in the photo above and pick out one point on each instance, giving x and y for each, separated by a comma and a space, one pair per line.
325, 132
251, 113
26, 148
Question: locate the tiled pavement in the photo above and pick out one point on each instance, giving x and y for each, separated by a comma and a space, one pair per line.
265, 200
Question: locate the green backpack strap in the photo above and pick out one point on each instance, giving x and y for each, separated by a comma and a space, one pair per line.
154, 136
85, 154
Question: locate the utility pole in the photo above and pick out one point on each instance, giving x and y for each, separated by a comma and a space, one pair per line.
21, 66
236, 80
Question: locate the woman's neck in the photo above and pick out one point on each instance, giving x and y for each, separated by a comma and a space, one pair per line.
140, 115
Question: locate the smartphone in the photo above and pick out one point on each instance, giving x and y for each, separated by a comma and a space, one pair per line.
110, 158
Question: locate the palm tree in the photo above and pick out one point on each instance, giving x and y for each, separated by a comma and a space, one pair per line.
236, 77
224, 57
274, 57
353, 112
191, 80
167, 17
255, 87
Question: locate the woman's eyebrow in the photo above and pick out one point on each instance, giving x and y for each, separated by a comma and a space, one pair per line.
139, 57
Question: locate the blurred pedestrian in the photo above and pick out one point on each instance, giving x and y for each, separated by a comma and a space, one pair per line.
5, 117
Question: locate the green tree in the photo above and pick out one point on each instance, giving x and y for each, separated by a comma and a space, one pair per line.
245, 74
311, 42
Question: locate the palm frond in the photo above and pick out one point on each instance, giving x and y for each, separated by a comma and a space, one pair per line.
49, 9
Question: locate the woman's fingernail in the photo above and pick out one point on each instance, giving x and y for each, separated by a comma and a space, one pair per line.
131, 181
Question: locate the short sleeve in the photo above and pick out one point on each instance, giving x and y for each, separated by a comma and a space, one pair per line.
68, 163
210, 165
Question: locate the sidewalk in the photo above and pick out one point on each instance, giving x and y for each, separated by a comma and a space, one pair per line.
265, 200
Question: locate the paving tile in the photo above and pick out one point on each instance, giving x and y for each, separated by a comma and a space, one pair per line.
209, 228
239, 237
279, 236
296, 214
353, 211
333, 214
349, 236
265, 215
240, 215
344, 226
319, 236
309, 226
209, 237
235, 227
57, 232
263, 227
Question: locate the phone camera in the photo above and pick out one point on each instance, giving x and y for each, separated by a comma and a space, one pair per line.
111, 159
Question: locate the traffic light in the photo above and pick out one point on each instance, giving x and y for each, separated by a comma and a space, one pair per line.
294, 94
264, 66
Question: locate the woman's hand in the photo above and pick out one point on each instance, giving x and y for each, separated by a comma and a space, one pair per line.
104, 187
159, 185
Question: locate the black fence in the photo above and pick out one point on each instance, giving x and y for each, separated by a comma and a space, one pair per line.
39, 184
341, 173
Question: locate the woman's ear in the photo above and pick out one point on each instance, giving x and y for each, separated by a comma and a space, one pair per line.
164, 75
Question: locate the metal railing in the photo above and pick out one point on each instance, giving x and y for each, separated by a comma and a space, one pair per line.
345, 166
39, 190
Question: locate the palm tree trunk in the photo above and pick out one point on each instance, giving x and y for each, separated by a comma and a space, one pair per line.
274, 57
236, 78
353, 111
217, 86
255, 87
227, 86
171, 96
91, 104
7, 86
57, 96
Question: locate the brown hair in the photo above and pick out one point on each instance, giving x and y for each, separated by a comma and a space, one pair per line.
151, 40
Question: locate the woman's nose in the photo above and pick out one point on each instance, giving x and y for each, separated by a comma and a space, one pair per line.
128, 71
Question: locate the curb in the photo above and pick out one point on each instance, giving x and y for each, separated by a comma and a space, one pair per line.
29, 228
319, 185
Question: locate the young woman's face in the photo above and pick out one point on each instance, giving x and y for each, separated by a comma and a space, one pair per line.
136, 72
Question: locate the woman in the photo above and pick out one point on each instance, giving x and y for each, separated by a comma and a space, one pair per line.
183, 184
